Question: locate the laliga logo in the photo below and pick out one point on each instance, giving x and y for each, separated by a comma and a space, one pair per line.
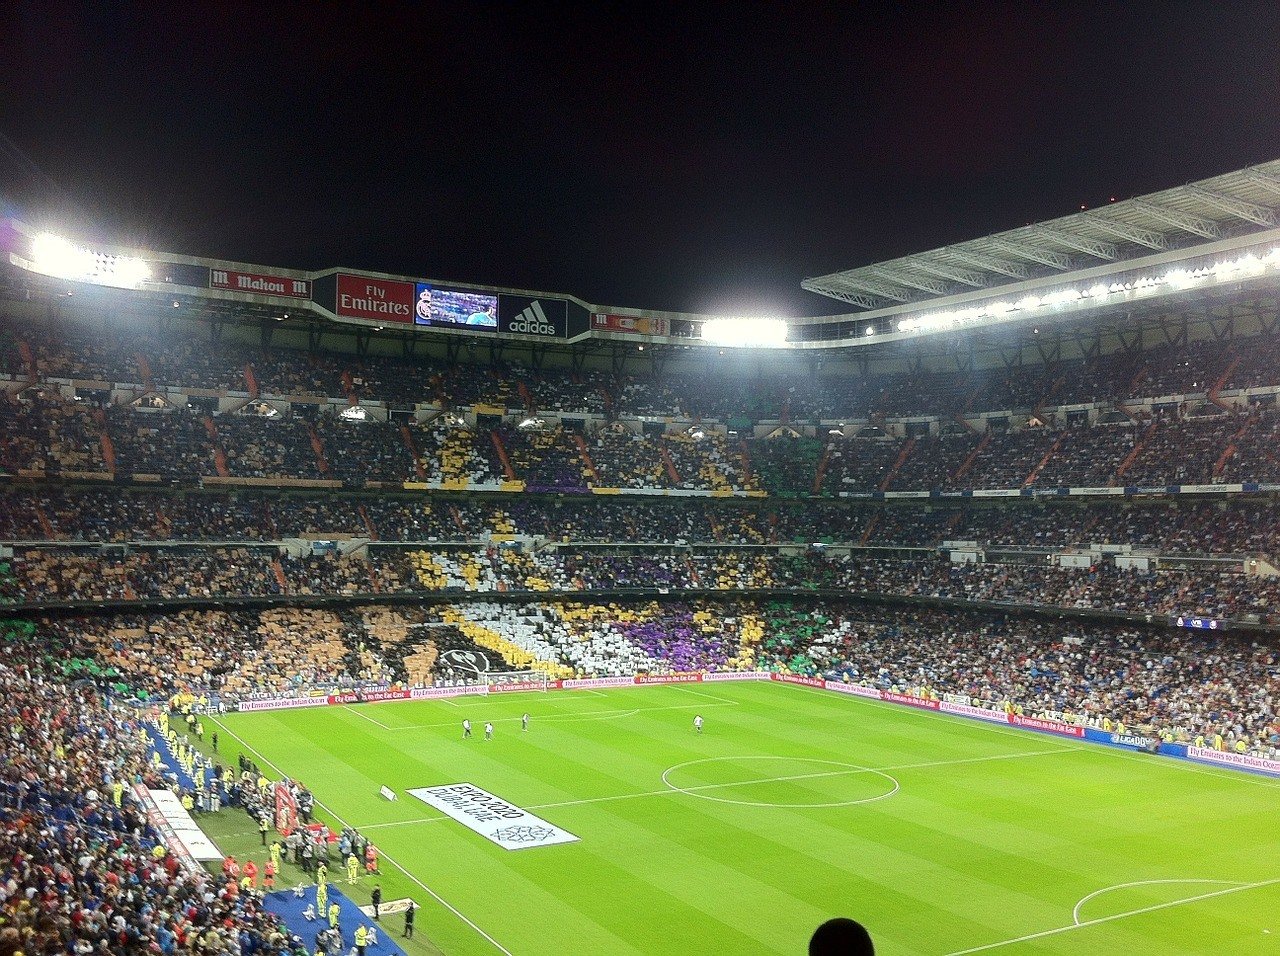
533, 321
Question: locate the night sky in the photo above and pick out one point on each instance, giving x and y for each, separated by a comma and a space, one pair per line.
646, 156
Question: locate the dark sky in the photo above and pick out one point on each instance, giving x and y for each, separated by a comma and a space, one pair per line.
703, 159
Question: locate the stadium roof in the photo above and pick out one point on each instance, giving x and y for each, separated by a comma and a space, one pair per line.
1234, 204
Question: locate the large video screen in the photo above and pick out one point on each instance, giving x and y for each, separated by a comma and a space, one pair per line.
455, 308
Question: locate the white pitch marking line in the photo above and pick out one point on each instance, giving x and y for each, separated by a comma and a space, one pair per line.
1186, 766
1113, 917
852, 770
1075, 913
699, 693
584, 715
667, 791
360, 713
434, 895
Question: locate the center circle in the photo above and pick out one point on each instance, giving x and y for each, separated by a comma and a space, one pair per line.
819, 769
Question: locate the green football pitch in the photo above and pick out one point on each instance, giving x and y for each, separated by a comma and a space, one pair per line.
942, 835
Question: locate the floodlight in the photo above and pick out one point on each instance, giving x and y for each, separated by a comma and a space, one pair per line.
745, 333
55, 256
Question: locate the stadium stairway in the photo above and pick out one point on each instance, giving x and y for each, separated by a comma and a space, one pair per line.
587, 463
821, 474
349, 388
251, 381
278, 569
693, 572
967, 464
368, 523
269, 519
104, 440
672, 475
1220, 465
406, 436
1138, 378
317, 446
1213, 393
457, 519
898, 462
45, 524
287, 905
1053, 450
717, 529
1130, 458
29, 362
144, 372
501, 451
219, 455
746, 463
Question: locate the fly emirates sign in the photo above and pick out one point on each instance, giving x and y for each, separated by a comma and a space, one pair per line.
378, 300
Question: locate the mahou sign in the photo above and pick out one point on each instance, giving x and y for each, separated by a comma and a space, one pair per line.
379, 300
604, 322
285, 286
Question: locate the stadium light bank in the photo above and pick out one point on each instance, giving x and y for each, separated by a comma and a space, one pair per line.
745, 333
57, 257
1246, 266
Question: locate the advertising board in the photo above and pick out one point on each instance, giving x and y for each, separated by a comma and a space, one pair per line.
378, 300
260, 284
639, 325
543, 317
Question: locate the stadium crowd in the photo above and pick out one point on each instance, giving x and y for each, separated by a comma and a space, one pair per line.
1245, 526
82, 870
43, 437
41, 576
1150, 679
106, 354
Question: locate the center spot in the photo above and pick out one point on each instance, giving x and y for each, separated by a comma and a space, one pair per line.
784, 782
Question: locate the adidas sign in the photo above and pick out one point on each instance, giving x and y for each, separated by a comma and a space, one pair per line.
532, 321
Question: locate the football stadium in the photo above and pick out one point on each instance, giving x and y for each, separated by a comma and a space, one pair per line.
354, 611
952, 611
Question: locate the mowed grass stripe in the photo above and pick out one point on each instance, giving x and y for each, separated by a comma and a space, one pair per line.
966, 853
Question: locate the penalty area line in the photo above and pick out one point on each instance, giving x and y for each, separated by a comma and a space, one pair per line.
434, 895
1179, 766
1075, 913
704, 694
1113, 917
372, 720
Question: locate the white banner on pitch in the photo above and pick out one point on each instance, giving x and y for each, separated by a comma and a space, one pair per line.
492, 817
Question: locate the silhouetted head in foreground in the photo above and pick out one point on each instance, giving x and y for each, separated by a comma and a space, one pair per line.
841, 937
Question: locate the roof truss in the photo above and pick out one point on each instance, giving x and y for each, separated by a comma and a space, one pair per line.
1226, 206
